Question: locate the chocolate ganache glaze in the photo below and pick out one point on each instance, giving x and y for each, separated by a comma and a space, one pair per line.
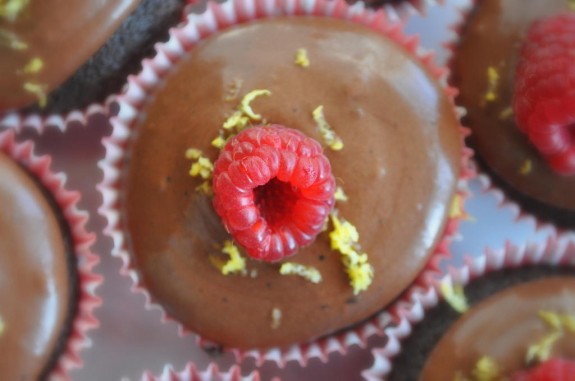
399, 166
503, 327
492, 37
62, 34
35, 290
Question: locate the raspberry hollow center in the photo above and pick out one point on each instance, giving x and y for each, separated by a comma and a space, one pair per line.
276, 201
273, 190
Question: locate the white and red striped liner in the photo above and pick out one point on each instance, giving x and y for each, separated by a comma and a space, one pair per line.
182, 39
396, 11
17, 120
410, 310
212, 373
88, 280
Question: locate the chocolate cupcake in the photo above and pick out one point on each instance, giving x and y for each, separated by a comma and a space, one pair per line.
508, 329
46, 269
65, 58
484, 67
333, 81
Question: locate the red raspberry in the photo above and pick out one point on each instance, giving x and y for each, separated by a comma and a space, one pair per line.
550, 370
544, 100
273, 190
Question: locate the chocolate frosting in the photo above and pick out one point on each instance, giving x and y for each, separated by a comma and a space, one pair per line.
492, 37
503, 327
399, 166
34, 280
63, 34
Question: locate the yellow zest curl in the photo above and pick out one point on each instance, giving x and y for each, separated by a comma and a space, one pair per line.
454, 296
541, 351
236, 121
235, 264
340, 195
219, 142
35, 65
11, 9
39, 91
486, 369
301, 58
492, 83
345, 239
328, 135
246, 107
202, 166
307, 272
11, 40
457, 208
526, 167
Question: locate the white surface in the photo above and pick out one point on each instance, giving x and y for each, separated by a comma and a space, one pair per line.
132, 339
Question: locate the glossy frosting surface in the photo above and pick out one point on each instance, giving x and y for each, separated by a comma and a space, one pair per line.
63, 34
492, 37
34, 281
399, 165
503, 326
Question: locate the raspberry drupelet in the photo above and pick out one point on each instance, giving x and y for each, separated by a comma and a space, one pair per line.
273, 190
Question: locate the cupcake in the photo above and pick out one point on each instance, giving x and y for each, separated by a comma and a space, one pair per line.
62, 58
268, 243
519, 100
47, 285
513, 321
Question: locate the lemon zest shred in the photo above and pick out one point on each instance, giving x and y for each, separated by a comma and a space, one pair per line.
454, 296
11, 40
219, 142
245, 105
205, 188
235, 263
301, 58
35, 65
236, 121
506, 113
345, 238
552, 319
11, 9
486, 369
568, 323
39, 91
309, 273
541, 350
492, 84
526, 167
202, 166
327, 133
340, 195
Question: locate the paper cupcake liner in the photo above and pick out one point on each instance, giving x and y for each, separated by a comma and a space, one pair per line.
182, 39
88, 281
410, 310
17, 120
394, 11
211, 373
